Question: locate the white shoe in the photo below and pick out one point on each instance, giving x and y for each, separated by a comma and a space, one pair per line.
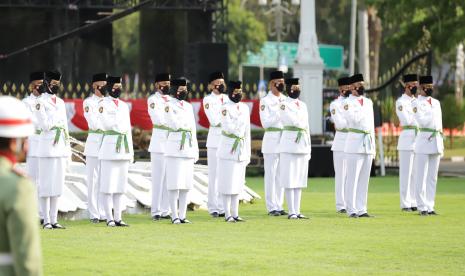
230, 219
293, 216
48, 226
176, 221
111, 223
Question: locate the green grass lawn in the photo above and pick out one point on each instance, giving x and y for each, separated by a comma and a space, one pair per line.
391, 243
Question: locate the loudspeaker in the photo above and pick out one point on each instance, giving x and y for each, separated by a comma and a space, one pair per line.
204, 58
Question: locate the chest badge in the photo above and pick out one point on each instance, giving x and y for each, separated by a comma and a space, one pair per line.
346, 107
415, 109
207, 106
283, 107
333, 111
152, 105
400, 108
167, 109
86, 109
262, 107
100, 109
38, 106
224, 112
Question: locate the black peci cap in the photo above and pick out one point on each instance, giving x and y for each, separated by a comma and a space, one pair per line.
179, 82
232, 85
356, 78
36, 76
53, 75
215, 75
343, 81
292, 81
276, 75
99, 77
162, 77
113, 79
409, 78
426, 80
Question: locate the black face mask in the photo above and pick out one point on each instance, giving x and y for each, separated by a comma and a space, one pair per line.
165, 89
220, 88
102, 89
280, 87
361, 90
181, 95
294, 94
413, 90
53, 89
42, 89
115, 93
429, 92
235, 97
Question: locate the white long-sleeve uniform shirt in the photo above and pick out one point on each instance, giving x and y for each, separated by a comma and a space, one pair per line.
404, 111
270, 118
428, 115
340, 122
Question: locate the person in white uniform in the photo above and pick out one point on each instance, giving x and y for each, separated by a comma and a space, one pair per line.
116, 151
429, 146
181, 150
156, 107
54, 149
234, 151
359, 148
294, 148
212, 104
32, 160
271, 122
406, 143
91, 149
340, 124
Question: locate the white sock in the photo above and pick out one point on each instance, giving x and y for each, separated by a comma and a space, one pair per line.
45, 206
173, 199
297, 197
107, 203
183, 200
117, 210
235, 205
53, 209
227, 205
290, 201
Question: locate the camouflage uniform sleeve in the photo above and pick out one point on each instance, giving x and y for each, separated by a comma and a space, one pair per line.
23, 230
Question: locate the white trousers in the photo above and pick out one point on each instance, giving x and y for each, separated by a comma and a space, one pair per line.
358, 176
94, 197
178, 203
231, 205
114, 200
426, 178
160, 202
293, 198
340, 178
215, 204
406, 180
49, 205
32, 168
274, 195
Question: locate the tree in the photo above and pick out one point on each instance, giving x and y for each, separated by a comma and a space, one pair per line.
245, 34
126, 43
453, 115
443, 19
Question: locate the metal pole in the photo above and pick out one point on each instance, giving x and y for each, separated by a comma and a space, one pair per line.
381, 151
353, 23
279, 29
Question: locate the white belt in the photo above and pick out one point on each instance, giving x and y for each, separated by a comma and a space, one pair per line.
6, 259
